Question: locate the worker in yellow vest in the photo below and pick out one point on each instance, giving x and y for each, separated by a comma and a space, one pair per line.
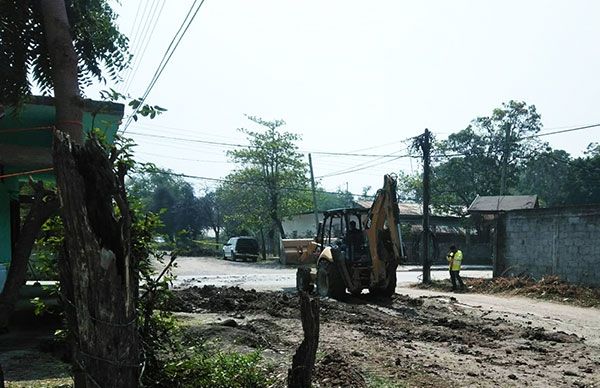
454, 258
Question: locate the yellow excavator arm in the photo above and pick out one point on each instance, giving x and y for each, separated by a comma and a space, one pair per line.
383, 228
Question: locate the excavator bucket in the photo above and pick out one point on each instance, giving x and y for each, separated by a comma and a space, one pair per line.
298, 251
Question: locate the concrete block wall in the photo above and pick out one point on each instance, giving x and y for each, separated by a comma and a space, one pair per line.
561, 241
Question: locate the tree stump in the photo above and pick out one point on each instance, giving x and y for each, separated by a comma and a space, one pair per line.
98, 277
303, 362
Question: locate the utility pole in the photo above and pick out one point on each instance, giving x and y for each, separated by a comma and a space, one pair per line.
424, 141
314, 193
504, 159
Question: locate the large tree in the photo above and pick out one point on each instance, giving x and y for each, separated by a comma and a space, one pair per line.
62, 46
487, 157
172, 197
276, 168
547, 175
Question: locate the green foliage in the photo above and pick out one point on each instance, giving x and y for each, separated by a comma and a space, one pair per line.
146, 110
164, 193
327, 200
547, 175
199, 369
272, 179
46, 248
470, 161
38, 305
99, 45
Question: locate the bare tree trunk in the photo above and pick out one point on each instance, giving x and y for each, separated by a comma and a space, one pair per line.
68, 101
97, 270
303, 362
44, 205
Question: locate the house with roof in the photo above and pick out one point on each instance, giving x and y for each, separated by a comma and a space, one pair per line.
26, 151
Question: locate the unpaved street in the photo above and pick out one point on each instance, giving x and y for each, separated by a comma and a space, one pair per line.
417, 338
267, 276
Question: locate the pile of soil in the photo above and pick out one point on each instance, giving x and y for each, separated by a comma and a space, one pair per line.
549, 287
232, 300
334, 370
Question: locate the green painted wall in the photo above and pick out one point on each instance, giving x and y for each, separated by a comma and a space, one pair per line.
40, 112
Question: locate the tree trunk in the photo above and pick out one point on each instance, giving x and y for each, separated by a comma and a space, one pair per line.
97, 271
303, 362
1, 377
263, 244
67, 98
45, 204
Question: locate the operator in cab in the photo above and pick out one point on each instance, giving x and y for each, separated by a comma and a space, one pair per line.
355, 240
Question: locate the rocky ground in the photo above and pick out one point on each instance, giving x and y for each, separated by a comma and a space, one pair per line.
401, 341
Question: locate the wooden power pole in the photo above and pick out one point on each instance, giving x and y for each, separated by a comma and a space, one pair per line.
425, 145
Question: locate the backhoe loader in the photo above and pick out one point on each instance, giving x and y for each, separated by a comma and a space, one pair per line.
359, 248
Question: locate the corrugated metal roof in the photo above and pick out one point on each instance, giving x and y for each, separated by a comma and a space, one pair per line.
497, 203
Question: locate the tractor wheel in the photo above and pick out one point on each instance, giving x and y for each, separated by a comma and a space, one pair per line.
303, 280
329, 281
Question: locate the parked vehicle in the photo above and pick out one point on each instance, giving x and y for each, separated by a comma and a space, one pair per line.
241, 248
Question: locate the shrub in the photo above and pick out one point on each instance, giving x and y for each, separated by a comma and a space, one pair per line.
197, 368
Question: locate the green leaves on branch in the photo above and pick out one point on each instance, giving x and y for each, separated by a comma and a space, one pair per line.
272, 180
100, 47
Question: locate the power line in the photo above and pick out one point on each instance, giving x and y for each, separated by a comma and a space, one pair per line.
189, 140
361, 168
136, 27
352, 154
189, 18
561, 131
186, 159
193, 140
138, 58
249, 183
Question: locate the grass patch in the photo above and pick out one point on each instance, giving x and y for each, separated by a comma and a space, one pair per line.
547, 288
374, 381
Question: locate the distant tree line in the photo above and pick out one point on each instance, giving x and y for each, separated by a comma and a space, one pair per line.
503, 154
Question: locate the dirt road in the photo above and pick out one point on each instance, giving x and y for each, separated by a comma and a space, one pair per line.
268, 276
416, 338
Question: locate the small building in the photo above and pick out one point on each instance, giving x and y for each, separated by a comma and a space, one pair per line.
26, 151
485, 212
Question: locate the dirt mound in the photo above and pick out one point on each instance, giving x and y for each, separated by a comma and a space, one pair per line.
334, 370
548, 287
539, 334
232, 300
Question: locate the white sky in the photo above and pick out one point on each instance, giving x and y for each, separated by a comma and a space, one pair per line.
349, 75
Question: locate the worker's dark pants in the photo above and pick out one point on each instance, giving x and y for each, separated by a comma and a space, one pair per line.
454, 277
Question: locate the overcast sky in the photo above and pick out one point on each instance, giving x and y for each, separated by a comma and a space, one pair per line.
353, 75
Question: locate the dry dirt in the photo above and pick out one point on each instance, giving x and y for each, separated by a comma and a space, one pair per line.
426, 341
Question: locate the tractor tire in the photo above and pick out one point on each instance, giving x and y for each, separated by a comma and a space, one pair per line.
329, 281
303, 280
